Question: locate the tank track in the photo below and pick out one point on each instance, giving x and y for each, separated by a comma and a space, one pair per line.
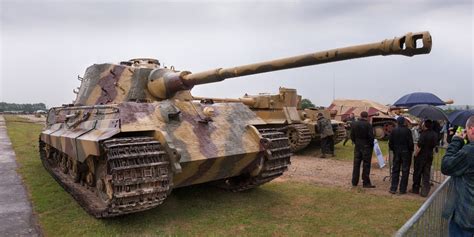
340, 134
303, 137
275, 162
137, 174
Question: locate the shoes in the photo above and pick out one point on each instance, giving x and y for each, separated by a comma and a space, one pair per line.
415, 191
392, 192
368, 186
323, 156
402, 192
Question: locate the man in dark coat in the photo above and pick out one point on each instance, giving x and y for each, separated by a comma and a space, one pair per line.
424, 158
327, 135
459, 164
362, 135
401, 143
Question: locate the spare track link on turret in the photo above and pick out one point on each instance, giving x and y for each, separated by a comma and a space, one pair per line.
138, 172
275, 162
302, 139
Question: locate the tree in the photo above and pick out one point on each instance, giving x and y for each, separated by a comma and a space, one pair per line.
27, 108
306, 103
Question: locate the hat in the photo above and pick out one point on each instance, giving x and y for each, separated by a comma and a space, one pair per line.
320, 115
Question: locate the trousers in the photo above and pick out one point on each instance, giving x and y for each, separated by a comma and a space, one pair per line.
362, 155
421, 172
401, 160
327, 145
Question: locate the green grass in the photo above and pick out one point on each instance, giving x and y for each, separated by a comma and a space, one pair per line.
347, 152
277, 208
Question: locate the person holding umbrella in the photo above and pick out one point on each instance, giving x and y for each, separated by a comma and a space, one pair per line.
424, 158
459, 164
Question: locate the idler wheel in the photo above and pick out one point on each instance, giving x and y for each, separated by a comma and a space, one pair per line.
293, 137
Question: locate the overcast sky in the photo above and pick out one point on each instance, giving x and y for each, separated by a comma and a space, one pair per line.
46, 44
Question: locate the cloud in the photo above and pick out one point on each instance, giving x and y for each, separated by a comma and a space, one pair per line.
46, 44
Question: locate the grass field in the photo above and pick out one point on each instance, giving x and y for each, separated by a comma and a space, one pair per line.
277, 208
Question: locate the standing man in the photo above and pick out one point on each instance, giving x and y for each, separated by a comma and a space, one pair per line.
424, 158
327, 134
401, 143
347, 125
362, 135
459, 164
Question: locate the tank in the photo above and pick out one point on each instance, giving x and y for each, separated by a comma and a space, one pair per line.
380, 116
310, 119
134, 133
283, 112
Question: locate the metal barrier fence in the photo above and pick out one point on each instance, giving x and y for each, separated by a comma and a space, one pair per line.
436, 175
428, 220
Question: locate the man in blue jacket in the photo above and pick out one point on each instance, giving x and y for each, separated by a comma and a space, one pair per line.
459, 164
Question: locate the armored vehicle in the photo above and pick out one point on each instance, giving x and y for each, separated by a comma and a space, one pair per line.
283, 112
310, 116
380, 117
134, 132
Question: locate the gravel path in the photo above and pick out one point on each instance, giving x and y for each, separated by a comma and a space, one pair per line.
329, 172
16, 217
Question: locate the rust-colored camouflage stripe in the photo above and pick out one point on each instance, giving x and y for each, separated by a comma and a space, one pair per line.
108, 85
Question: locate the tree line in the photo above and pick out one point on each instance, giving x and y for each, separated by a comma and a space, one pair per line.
26, 108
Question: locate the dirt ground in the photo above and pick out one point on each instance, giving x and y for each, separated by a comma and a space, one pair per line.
309, 168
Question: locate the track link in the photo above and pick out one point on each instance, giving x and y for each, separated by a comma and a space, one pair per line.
133, 175
275, 162
340, 133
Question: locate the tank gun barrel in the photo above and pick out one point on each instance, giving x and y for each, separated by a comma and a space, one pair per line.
246, 101
165, 84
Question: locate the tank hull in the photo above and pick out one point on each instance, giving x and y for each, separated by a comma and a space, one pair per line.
121, 158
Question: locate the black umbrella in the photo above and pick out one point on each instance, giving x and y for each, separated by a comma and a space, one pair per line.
460, 117
417, 98
427, 112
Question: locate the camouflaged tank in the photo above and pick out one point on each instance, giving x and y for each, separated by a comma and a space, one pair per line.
283, 111
134, 132
310, 118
